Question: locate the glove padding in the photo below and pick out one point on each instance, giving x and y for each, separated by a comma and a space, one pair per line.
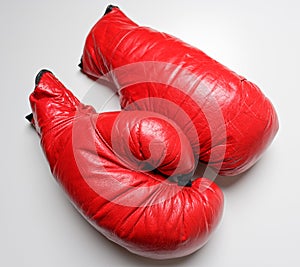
119, 168
227, 119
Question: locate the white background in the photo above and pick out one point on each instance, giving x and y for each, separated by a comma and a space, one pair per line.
258, 39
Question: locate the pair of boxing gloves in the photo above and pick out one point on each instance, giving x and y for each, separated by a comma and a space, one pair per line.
130, 172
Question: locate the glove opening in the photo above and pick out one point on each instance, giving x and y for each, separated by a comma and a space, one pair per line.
109, 9
39, 76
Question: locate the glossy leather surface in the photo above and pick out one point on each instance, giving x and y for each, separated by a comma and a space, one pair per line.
115, 168
228, 120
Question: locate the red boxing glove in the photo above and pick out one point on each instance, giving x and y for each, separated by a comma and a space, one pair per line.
118, 170
227, 119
